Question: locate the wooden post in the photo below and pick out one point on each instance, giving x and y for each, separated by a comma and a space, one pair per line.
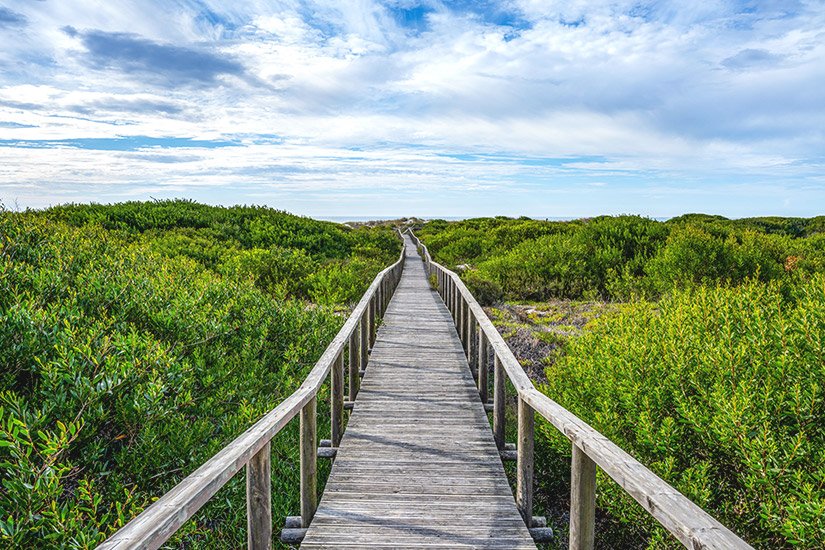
524, 464
482, 366
309, 464
499, 390
388, 295
456, 313
354, 362
451, 301
460, 321
465, 323
468, 330
336, 375
365, 344
372, 320
259, 501
582, 501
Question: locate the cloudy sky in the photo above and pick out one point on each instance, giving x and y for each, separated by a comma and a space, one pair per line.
407, 107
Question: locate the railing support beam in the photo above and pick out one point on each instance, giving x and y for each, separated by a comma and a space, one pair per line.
582, 501
499, 395
336, 375
259, 500
309, 463
354, 363
524, 464
482, 366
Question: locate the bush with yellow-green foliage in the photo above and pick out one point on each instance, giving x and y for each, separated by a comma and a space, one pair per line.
131, 355
721, 391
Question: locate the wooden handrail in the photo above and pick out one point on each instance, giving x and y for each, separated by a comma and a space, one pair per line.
155, 525
691, 525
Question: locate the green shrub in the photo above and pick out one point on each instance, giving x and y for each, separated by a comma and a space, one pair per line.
124, 368
694, 257
485, 291
719, 391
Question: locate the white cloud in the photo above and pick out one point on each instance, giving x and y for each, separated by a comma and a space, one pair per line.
339, 96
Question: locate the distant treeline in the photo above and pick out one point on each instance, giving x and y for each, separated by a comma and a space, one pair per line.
615, 258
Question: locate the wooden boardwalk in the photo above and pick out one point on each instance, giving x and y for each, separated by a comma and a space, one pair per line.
417, 466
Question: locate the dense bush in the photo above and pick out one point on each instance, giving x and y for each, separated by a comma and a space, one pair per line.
129, 358
719, 390
619, 257
277, 250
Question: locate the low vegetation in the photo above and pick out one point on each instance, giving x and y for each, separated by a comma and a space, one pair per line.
616, 258
138, 339
698, 349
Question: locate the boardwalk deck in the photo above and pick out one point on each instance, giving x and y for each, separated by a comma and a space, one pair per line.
417, 467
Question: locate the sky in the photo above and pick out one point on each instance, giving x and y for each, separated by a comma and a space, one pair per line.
430, 108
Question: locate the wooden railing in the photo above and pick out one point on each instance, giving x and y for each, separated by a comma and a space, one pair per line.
691, 525
163, 518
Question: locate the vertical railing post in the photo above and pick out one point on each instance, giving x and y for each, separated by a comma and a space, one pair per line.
365, 344
460, 319
524, 464
372, 320
462, 328
469, 333
337, 400
582, 501
309, 464
498, 402
456, 301
482, 366
354, 362
259, 501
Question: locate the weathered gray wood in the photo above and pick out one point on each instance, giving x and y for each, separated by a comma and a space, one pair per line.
309, 462
524, 465
499, 395
327, 452
354, 363
582, 501
542, 534
293, 536
294, 522
373, 316
365, 345
483, 384
259, 500
337, 400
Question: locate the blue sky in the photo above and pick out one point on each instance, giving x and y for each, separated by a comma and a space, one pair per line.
429, 108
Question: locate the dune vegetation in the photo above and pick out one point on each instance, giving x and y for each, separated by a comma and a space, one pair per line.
138, 339
701, 355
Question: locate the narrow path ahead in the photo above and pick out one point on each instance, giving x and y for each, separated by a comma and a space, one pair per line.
417, 466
